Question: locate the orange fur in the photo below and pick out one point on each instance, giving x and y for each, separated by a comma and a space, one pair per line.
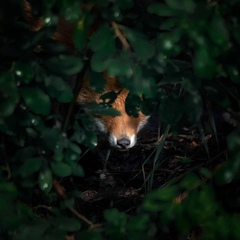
122, 130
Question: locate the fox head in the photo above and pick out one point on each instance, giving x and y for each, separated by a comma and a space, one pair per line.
121, 130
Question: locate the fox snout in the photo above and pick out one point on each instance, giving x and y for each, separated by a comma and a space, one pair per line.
121, 130
123, 142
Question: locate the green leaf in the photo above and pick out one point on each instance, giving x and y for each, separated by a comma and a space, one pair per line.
100, 61
91, 140
234, 74
182, 5
61, 169
204, 64
192, 106
125, 4
171, 110
77, 169
96, 81
142, 46
158, 200
160, 9
67, 224
59, 89
218, 31
138, 223
73, 11
75, 148
9, 95
23, 72
45, 178
120, 67
103, 40
114, 217
50, 136
103, 110
168, 43
36, 100
82, 30
64, 65
26, 152
30, 166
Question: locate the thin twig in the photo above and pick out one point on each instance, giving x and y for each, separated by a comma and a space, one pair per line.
120, 35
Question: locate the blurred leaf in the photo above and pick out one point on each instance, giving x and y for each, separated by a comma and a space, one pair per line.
97, 81
171, 109
233, 141
59, 89
73, 11
91, 140
77, 169
90, 235
82, 30
103, 110
75, 148
64, 65
168, 43
142, 46
36, 100
183, 5
190, 181
67, 224
192, 106
115, 218
23, 72
26, 152
234, 74
107, 44
9, 93
218, 31
157, 200
45, 178
138, 223
61, 169
169, 23
30, 166
125, 4
100, 61
70, 156
161, 10
119, 67
50, 136
204, 64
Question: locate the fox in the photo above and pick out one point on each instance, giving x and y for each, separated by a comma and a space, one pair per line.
121, 130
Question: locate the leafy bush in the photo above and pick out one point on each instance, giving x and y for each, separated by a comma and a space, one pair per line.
181, 56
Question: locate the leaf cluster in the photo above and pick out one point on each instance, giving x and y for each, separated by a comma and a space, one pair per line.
173, 56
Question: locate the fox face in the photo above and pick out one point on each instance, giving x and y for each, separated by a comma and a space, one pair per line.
121, 130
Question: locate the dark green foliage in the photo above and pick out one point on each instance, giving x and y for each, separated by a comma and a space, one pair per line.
173, 56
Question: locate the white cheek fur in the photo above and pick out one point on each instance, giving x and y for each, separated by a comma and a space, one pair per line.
142, 123
100, 125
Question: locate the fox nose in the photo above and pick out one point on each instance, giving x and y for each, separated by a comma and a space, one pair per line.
123, 143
